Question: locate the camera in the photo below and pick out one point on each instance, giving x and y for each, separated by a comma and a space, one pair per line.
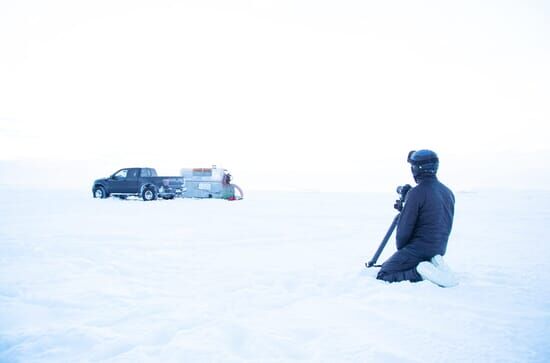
402, 190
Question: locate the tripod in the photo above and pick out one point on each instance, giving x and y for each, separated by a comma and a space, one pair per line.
402, 190
372, 262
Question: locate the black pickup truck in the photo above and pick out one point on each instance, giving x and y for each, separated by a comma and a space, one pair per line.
141, 182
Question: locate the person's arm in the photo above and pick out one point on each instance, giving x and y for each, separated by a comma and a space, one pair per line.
407, 220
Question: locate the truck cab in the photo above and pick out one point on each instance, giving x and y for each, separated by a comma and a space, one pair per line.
127, 180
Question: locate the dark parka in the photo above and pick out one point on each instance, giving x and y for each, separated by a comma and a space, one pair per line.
423, 229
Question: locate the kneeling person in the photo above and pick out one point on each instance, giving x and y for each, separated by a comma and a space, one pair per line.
424, 227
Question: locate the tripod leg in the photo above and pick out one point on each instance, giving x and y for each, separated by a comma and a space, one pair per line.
378, 252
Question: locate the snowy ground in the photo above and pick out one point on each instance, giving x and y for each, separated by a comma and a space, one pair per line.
276, 277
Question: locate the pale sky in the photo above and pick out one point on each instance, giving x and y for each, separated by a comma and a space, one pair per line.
275, 86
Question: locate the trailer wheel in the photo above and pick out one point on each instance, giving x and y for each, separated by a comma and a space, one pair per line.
100, 193
148, 194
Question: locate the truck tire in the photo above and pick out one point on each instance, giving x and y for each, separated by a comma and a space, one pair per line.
149, 194
100, 193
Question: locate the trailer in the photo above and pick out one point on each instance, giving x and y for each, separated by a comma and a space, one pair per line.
211, 182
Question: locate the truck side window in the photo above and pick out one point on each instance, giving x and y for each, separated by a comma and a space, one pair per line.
133, 174
121, 174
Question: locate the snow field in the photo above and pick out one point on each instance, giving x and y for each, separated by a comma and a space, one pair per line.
276, 277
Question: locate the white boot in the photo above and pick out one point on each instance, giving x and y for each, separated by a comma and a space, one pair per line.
438, 262
438, 275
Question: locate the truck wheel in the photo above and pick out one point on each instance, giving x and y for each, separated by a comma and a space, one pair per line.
100, 193
148, 194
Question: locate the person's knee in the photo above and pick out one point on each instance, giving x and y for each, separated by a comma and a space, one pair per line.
397, 276
388, 276
381, 275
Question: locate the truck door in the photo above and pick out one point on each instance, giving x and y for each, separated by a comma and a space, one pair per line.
124, 181
131, 183
117, 180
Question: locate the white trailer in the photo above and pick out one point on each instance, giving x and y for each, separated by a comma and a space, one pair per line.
211, 182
